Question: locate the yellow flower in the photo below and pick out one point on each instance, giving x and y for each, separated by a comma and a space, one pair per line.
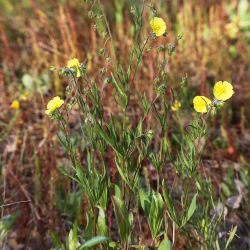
53, 105
233, 28
15, 104
75, 64
201, 104
223, 90
176, 105
158, 26
24, 96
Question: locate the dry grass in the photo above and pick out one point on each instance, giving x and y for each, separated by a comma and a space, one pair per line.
38, 34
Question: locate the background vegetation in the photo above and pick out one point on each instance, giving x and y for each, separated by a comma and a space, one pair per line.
207, 41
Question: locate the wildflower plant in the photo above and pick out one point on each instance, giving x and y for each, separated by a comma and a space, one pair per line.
110, 157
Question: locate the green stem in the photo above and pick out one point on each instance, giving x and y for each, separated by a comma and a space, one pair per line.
69, 150
109, 31
158, 181
94, 220
139, 58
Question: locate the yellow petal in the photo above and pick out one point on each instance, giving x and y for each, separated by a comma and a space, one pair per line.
48, 112
223, 90
201, 104
54, 104
15, 104
158, 26
176, 105
74, 63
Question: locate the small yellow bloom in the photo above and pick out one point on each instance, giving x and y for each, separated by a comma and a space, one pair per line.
158, 26
201, 104
176, 105
53, 105
233, 28
223, 90
15, 104
75, 64
24, 96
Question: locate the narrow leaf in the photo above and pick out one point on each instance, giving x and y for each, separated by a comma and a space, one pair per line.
122, 218
102, 228
231, 236
190, 211
93, 242
169, 203
165, 244
192, 207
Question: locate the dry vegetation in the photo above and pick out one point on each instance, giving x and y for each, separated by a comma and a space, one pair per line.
37, 34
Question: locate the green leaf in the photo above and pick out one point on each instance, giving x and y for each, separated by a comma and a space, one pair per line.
93, 242
155, 217
217, 244
64, 172
88, 231
122, 218
145, 203
139, 129
122, 173
153, 205
165, 244
73, 239
79, 173
192, 207
55, 240
114, 245
105, 136
226, 189
190, 211
169, 203
231, 236
121, 91
118, 192
28, 82
102, 228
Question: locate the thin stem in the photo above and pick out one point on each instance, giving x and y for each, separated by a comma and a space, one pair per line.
173, 233
69, 150
139, 58
79, 99
158, 182
109, 31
